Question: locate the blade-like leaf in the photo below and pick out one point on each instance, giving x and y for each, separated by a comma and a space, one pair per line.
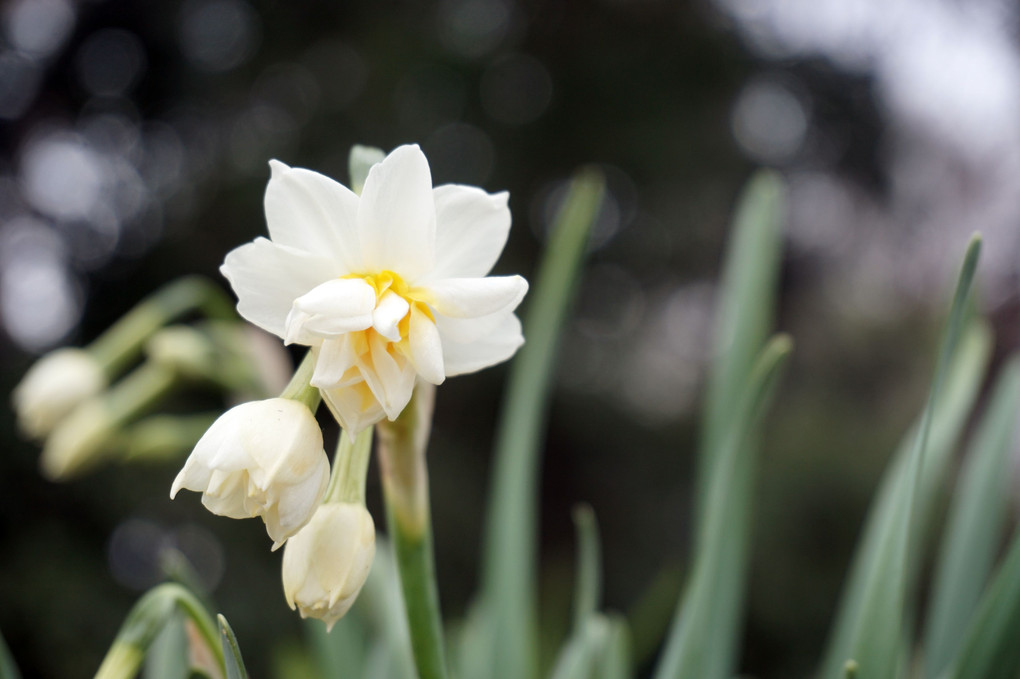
745, 313
599, 649
588, 590
168, 655
958, 396
974, 528
990, 649
233, 663
704, 630
8, 668
874, 634
509, 559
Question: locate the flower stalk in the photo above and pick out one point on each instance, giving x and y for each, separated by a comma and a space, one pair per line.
89, 433
299, 389
119, 346
402, 444
350, 468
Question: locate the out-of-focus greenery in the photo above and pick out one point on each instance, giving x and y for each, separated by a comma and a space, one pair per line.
644, 88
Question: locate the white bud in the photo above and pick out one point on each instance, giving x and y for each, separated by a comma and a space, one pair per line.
326, 564
263, 458
53, 387
79, 442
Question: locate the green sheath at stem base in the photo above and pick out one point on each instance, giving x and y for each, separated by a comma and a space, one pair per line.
405, 489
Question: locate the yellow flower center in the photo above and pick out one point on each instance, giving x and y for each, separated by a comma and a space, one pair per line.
390, 281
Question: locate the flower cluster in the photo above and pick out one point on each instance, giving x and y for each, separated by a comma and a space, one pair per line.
385, 288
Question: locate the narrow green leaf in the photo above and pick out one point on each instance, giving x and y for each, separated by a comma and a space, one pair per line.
509, 591
233, 663
145, 620
990, 649
974, 528
8, 668
955, 403
745, 313
600, 649
876, 635
168, 656
703, 637
588, 589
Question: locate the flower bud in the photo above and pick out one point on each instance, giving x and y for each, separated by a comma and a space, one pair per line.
326, 564
263, 458
79, 442
53, 387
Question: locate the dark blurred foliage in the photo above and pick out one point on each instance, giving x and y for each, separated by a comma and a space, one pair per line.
134, 140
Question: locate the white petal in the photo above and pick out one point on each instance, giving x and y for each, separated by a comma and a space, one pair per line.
354, 406
426, 347
474, 297
389, 376
334, 358
471, 230
391, 310
495, 348
397, 216
297, 504
463, 330
267, 278
310, 211
333, 308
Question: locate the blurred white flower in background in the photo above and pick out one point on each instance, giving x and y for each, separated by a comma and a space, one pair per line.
53, 387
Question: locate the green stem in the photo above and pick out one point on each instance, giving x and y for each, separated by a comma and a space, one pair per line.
350, 468
405, 490
300, 388
121, 344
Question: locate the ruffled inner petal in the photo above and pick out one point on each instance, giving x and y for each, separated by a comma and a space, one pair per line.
331, 309
387, 315
426, 347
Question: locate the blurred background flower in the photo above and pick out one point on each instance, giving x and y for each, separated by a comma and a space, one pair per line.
134, 140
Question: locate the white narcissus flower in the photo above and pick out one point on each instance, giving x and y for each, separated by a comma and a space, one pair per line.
326, 564
53, 387
263, 458
386, 287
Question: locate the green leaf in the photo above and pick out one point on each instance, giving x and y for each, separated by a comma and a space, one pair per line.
974, 528
703, 636
872, 630
509, 593
233, 663
745, 314
8, 668
990, 649
168, 656
600, 649
957, 399
144, 622
588, 590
